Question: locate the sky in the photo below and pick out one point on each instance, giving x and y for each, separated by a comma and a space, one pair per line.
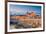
23, 9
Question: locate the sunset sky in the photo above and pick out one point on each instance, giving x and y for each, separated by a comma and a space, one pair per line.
22, 9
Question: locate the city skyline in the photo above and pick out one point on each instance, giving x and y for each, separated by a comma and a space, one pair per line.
23, 9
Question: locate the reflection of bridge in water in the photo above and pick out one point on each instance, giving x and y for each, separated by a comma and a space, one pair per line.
27, 23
